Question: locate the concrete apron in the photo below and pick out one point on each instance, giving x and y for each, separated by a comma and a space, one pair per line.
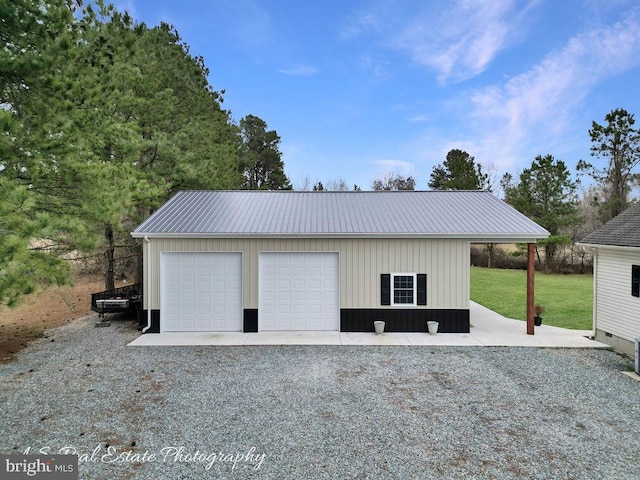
487, 329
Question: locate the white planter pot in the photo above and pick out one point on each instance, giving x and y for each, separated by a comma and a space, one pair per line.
379, 326
432, 327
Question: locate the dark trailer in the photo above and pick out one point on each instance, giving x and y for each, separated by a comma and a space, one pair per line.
119, 300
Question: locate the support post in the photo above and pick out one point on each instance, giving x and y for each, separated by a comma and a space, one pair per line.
531, 269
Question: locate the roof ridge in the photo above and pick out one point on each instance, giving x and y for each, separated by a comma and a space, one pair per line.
333, 191
473, 214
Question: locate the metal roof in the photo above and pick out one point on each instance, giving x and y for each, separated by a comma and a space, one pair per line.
429, 214
621, 231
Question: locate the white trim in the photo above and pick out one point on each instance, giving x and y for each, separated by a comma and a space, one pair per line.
472, 237
597, 247
415, 289
595, 293
147, 293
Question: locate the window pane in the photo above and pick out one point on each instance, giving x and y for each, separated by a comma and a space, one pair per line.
403, 281
403, 296
403, 289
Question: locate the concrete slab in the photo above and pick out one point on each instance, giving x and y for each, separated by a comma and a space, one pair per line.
487, 329
293, 338
492, 329
443, 339
357, 338
191, 338
632, 375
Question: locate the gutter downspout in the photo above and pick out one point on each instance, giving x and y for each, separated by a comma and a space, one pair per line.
148, 289
595, 293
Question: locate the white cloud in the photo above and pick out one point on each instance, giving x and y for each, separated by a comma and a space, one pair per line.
461, 42
533, 109
537, 112
300, 70
457, 39
418, 119
377, 66
371, 19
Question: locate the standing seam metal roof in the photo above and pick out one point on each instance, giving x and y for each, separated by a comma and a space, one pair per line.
286, 213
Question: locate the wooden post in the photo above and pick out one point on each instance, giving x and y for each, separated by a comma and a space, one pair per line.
531, 269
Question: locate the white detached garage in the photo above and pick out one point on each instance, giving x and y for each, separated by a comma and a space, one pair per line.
280, 260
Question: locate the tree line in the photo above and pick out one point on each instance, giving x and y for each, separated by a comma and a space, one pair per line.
546, 191
102, 119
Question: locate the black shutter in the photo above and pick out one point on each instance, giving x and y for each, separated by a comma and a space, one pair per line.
422, 289
385, 289
635, 280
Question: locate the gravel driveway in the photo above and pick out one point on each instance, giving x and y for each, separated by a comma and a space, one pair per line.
320, 412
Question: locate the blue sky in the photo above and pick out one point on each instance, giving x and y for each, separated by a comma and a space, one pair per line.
356, 89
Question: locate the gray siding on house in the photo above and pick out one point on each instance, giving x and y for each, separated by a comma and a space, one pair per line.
617, 312
446, 262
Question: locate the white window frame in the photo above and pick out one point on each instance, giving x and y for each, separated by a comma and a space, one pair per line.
415, 289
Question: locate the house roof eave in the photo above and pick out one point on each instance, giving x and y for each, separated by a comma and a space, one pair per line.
471, 237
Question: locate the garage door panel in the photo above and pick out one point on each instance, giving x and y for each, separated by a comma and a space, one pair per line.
283, 297
201, 291
187, 271
186, 297
315, 308
283, 309
298, 291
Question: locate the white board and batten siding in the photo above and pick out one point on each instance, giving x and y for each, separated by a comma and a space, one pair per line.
361, 261
617, 311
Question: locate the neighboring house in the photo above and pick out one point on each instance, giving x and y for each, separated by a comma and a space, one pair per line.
250, 261
616, 280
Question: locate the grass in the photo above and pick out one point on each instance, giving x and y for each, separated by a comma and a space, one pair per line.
567, 299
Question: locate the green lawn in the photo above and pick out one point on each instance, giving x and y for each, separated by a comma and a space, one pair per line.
568, 299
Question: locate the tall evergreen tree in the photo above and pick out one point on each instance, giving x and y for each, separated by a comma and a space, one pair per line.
260, 158
114, 119
459, 172
617, 143
29, 30
546, 194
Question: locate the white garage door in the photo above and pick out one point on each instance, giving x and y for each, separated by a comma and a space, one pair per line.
201, 292
298, 291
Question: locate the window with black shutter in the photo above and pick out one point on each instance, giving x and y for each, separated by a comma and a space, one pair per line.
422, 289
403, 289
385, 289
635, 280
